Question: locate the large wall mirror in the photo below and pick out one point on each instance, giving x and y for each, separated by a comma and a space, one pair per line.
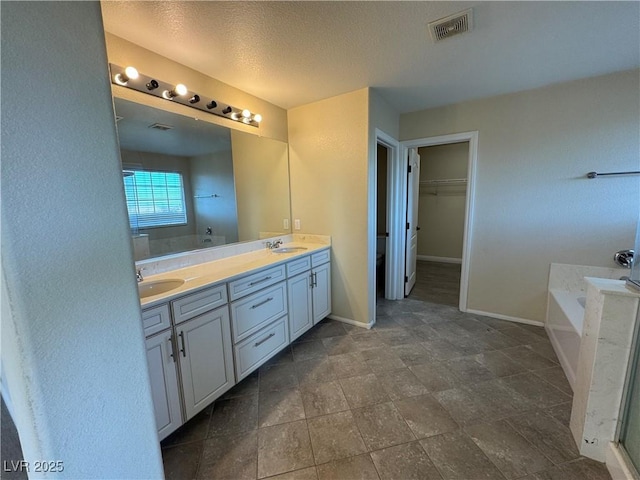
191, 184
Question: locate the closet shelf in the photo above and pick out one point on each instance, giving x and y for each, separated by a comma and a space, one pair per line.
445, 181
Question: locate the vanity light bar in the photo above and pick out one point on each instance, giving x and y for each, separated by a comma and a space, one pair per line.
129, 77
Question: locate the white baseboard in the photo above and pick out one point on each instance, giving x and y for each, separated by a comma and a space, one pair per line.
508, 318
431, 258
351, 322
617, 465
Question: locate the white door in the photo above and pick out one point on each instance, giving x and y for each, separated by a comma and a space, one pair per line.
300, 304
413, 191
164, 383
321, 278
206, 360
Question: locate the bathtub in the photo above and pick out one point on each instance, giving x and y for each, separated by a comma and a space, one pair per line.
566, 301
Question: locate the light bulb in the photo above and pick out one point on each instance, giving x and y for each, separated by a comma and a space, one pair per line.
257, 118
131, 72
179, 89
246, 113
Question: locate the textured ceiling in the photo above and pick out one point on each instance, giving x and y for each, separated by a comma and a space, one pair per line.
293, 53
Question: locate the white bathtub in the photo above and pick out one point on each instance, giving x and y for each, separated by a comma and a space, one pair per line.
565, 310
565, 315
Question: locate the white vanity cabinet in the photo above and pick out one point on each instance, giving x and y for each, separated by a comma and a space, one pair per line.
164, 382
259, 318
188, 344
299, 289
205, 358
200, 344
321, 281
309, 291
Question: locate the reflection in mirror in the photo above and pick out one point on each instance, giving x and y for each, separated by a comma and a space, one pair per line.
191, 184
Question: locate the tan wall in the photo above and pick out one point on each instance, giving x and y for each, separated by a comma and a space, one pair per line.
328, 148
124, 53
533, 204
441, 209
261, 170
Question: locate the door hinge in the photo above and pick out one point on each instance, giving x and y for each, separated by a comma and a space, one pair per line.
408, 225
409, 168
406, 279
386, 234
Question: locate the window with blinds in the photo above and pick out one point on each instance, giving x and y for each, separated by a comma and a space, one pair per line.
154, 199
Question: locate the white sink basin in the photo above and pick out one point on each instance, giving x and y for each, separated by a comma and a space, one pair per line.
148, 289
288, 249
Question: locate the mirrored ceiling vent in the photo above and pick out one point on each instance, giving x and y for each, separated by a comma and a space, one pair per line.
129, 77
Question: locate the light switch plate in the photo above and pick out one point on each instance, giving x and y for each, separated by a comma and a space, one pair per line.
296, 224
285, 224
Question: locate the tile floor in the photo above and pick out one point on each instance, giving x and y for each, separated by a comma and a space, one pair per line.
429, 393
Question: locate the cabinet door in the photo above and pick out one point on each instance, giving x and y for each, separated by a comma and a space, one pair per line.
164, 383
300, 304
206, 359
321, 292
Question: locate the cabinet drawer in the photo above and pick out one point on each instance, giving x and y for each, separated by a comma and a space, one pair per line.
197, 303
258, 348
253, 283
320, 257
298, 266
155, 319
251, 313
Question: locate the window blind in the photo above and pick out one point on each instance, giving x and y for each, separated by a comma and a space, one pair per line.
155, 199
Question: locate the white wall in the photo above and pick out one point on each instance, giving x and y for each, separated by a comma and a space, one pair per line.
533, 204
72, 342
441, 208
328, 156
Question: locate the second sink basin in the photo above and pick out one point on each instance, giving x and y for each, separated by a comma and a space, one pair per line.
288, 249
148, 289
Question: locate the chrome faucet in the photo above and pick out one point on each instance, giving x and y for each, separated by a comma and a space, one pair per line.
273, 245
139, 276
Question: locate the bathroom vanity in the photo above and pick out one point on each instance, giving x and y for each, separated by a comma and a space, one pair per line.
224, 318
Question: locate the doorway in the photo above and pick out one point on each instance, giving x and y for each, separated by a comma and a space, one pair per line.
440, 219
467, 183
382, 166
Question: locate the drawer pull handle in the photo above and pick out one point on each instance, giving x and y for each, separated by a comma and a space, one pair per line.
257, 344
183, 349
261, 303
260, 281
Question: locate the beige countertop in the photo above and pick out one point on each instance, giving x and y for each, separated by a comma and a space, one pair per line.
207, 274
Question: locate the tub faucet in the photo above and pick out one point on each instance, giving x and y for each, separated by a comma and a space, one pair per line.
139, 276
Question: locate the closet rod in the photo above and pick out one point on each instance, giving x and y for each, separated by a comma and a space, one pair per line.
596, 174
444, 181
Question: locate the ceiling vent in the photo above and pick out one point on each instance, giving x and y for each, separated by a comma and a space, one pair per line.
455, 24
161, 126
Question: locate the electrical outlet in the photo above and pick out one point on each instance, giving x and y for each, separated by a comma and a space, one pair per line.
296, 224
285, 224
